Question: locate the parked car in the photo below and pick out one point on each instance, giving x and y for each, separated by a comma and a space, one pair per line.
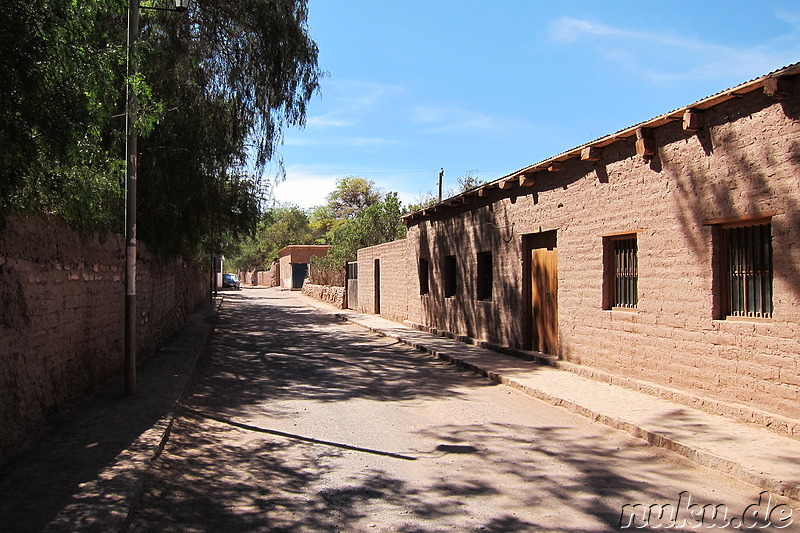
231, 281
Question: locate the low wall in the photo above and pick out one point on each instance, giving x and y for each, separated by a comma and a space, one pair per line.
326, 293
62, 318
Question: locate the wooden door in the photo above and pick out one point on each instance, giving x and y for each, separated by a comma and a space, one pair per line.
544, 292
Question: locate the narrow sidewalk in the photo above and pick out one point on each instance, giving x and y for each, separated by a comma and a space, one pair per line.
85, 471
753, 454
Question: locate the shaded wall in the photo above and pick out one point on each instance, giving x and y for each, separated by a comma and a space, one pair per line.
62, 316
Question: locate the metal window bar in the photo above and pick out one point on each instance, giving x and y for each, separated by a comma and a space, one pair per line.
750, 271
626, 273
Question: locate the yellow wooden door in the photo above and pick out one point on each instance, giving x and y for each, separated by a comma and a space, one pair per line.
544, 299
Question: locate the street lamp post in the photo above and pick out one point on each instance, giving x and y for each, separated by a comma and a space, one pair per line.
131, 165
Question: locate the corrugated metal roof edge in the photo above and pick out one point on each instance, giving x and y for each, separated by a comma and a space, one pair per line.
660, 120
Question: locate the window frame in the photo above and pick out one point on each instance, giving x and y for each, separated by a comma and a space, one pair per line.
450, 277
621, 272
424, 273
484, 276
750, 262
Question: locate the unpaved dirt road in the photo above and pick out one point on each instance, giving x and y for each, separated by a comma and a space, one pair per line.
303, 423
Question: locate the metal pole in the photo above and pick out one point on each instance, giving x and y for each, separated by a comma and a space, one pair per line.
441, 177
130, 205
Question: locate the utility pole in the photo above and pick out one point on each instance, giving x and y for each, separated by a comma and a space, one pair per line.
441, 177
131, 174
130, 203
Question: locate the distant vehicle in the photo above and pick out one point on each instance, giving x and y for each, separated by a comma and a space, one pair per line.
231, 281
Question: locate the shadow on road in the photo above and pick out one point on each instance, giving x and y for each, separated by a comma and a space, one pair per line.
219, 474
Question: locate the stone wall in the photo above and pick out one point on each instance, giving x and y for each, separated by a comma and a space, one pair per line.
62, 316
325, 293
743, 164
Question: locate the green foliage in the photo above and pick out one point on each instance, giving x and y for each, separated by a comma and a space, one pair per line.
373, 225
232, 76
215, 88
279, 227
356, 216
351, 196
61, 81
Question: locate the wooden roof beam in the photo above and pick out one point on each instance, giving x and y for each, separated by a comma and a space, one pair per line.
645, 143
527, 180
693, 120
509, 183
592, 153
779, 87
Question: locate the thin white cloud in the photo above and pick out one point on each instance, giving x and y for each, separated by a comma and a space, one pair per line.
328, 120
447, 118
348, 100
308, 185
678, 57
337, 141
370, 141
305, 187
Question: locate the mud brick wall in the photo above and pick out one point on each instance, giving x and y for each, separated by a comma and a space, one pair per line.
744, 162
395, 280
62, 316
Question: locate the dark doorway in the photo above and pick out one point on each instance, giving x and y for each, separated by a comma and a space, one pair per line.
377, 286
299, 273
541, 291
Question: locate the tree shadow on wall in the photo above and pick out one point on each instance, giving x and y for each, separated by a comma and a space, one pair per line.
741, 191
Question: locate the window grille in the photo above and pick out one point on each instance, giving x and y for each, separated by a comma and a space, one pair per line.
626, 273
748, 257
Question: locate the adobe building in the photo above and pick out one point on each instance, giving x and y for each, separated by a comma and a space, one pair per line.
664, 257
293, 263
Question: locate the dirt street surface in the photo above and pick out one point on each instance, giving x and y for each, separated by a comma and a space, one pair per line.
304, 423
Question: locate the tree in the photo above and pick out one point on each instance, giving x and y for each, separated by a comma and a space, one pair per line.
373, 225
279, 227
216, 87
352, 195
466, 182
469, 181
62, 78
231, 77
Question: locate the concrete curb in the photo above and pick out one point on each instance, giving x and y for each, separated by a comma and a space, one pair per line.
766, 480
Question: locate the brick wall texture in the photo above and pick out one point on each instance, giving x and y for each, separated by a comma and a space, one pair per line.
62, 316
745, 162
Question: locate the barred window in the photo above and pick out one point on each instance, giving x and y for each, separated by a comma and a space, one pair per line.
621, 281
747, 270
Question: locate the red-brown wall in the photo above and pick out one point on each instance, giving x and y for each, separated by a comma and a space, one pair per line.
62, 316
745, 162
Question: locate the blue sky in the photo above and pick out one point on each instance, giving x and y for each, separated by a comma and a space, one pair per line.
488, 88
